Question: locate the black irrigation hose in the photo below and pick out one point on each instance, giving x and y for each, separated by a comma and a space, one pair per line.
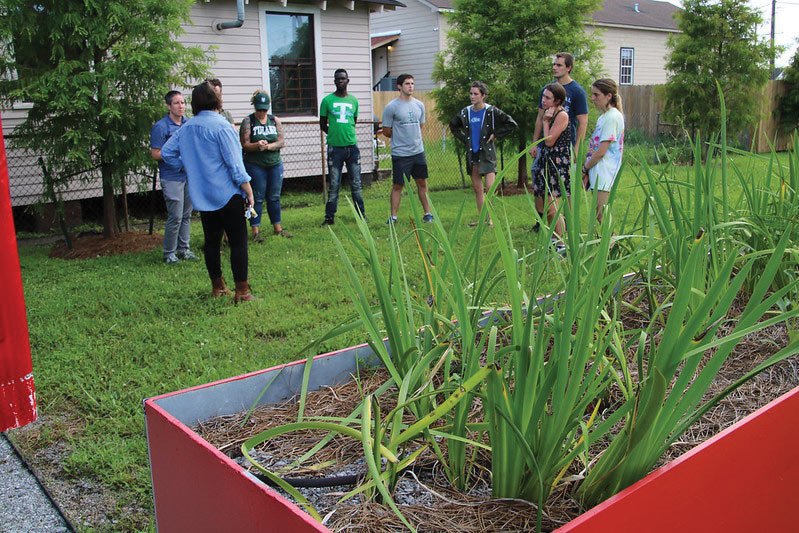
29, 468
315, 482
329, 481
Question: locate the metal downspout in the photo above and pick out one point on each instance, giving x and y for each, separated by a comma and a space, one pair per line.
234, 23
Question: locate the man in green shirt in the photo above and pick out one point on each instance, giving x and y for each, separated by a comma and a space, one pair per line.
338, 114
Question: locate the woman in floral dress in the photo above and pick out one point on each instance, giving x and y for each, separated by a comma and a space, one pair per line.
551, 166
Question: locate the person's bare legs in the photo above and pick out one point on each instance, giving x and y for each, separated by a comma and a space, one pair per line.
396, 196
539, 205
490, 177
421, 189
552, 211
601, 200
477, 185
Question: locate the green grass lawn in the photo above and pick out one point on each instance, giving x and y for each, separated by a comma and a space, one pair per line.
108, 332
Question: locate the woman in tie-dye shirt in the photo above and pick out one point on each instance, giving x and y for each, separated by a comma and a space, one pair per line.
606, 143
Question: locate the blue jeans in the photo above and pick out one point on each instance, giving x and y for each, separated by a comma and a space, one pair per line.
178, 216
336, 157
267, 182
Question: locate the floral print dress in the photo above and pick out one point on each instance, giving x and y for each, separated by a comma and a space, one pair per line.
552, 164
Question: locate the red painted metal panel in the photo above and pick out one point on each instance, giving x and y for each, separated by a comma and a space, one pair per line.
198, 489
17, 394
744, 479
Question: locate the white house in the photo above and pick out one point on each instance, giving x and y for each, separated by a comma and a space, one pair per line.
634, 34
289, 47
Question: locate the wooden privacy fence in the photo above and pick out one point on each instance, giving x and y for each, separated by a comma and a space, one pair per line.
769, 130
643, 111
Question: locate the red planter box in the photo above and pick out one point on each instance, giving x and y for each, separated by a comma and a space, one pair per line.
744, 479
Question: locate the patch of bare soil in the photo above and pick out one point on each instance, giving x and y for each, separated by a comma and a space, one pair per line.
89, 246
511, 188
435, 505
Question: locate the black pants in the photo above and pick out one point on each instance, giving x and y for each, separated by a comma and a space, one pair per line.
230, 220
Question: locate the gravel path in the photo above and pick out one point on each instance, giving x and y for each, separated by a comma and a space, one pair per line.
24, 506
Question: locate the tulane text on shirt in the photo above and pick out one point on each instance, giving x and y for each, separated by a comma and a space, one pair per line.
264, 130
343, 111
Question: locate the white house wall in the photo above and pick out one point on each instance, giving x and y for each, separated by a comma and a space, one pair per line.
25, 174
414, 52
649, 61
238, 50
342, 42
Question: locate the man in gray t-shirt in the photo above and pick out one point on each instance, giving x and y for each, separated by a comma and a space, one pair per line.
402, 120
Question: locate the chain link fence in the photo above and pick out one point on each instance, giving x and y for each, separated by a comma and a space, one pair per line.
79, 200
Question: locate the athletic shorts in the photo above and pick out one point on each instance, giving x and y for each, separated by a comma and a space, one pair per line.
483, 167
414, 166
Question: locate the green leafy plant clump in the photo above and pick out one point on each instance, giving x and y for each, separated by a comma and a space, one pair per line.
541, 390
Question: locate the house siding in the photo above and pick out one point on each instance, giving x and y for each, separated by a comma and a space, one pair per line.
237, 50
649, 62
414, 52
342, 42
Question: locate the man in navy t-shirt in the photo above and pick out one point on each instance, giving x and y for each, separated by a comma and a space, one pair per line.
576, 104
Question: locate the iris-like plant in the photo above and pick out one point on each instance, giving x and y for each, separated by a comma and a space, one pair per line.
670, 390
540, 391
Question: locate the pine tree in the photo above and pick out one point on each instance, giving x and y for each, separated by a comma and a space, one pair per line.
719, 42
94, 72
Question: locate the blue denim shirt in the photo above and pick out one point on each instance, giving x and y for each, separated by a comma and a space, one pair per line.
159, 135
207, 147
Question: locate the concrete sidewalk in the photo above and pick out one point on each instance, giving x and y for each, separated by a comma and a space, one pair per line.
24, 506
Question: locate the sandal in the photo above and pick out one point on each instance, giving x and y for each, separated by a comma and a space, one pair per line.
258, 238
284, 233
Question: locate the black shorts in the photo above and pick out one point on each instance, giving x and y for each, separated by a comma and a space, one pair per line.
414, 166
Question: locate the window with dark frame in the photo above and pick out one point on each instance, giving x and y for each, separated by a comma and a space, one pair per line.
292, 63
626, 66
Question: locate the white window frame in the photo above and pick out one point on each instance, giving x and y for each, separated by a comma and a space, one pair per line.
622, 66
316, 12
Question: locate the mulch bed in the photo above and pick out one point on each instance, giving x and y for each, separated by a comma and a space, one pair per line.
511, 188
442, 508
89, 246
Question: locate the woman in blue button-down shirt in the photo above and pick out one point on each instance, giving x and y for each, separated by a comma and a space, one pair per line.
207, 147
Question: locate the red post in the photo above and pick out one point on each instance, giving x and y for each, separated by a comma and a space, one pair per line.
17, 393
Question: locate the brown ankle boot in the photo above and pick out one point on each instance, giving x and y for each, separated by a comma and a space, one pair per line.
218, 287
243, 293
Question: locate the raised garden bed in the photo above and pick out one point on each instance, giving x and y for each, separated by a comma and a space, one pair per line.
197, 486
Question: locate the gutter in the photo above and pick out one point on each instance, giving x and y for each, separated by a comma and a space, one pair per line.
233, 23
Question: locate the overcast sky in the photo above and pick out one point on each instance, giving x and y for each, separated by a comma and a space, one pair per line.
787, 25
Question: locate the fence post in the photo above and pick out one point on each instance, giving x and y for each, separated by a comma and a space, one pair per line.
152, 200
322, 154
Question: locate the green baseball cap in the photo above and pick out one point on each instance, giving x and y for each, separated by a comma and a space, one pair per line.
261, 101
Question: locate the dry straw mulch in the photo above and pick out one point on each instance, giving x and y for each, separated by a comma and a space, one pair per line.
445, 509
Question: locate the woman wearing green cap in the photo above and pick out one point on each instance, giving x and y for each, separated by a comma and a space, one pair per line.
262, 138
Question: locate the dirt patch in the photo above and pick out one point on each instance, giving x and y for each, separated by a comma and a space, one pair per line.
89, 246
511, 188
